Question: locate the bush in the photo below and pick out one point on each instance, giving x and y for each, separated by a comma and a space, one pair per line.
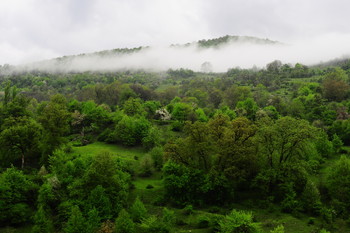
203, 222
152, 139
239, 221
278, 229
311, 221
188, 210
157, 157
153, 225
168, 218
146, 166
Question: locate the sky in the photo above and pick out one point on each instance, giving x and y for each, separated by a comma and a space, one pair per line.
33, 30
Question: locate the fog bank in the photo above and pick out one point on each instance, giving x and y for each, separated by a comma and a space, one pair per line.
235, 54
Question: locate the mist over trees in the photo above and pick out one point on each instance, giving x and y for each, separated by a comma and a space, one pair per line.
217, 55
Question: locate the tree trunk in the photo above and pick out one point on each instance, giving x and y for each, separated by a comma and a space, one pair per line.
22, 161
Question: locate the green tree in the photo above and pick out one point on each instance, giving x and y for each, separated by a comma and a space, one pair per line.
124, 224
134, 106
338, 183
15, 195
234, 94
335, 86
337, 143
157, 157
152, 138
105, 172
247, 107
42, 221
181, 111
284, 140
93, 221
54, 117
20, 137
76, 222
131, 131
138, 211
99, 200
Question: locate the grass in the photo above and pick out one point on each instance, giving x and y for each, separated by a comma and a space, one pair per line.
121, 151
141, 183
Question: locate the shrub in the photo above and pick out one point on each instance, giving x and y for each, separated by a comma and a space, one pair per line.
146, 166
168, 218
203, 222
239, 221
157, 157
278, 229
153, 225
188, 210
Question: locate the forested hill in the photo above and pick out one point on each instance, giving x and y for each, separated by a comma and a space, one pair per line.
204, 43
190, 56
225, 40
259, 151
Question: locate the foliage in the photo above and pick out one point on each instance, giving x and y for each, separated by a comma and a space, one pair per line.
76, 221
338, 183
43, 223
239, 221
124, 224
138, 210
16, 194
278, 229
244, 137
152, 224
146, 166
157, 157
20, 138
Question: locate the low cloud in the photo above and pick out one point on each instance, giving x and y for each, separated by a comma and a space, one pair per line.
235, 54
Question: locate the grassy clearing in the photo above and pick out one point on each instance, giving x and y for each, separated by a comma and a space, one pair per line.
123, 152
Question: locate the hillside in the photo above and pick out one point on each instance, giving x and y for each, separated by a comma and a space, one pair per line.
220, 52
176, 151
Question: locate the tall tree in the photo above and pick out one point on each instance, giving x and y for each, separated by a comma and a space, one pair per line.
54, 117
20, 137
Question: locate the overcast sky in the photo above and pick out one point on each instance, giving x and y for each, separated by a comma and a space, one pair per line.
39, 29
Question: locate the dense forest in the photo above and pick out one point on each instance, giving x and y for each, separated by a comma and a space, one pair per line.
247, 150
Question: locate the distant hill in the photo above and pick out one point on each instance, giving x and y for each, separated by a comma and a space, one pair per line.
216, 42
158, 58
209, 43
